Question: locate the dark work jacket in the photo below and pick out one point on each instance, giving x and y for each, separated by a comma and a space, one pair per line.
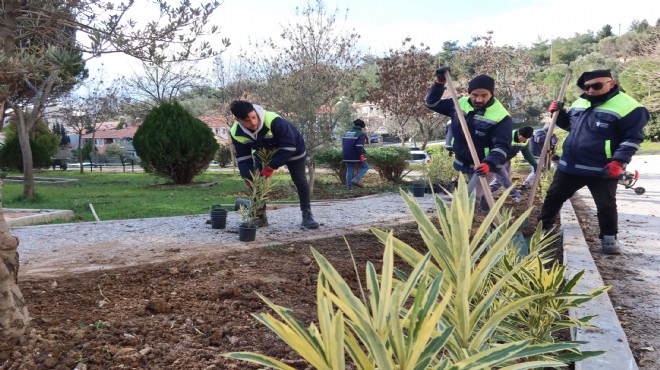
537, 141
492, 139
601, 129
352, 145
273, 132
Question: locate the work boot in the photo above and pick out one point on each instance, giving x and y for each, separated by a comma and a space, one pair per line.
610, 244
261, 220
308, 220
357, 183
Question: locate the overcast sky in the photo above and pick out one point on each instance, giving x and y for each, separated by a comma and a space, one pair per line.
385, 23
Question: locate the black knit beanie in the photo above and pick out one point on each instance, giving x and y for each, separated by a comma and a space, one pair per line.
586, 76
526, 132
359, 123
482, 82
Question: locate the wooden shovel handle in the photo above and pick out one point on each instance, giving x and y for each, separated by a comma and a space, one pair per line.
546, 144
468, 138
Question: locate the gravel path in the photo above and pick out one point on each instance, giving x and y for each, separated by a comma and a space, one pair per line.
51, 250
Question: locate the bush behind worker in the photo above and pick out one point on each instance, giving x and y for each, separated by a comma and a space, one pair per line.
257, 128
605, 128
488, 122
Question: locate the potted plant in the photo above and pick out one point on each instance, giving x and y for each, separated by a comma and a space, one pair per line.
440, 171
261, 188
247, 230
419, 185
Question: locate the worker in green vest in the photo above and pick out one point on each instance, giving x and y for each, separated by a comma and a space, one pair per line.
605, 129
257, 128
489, 125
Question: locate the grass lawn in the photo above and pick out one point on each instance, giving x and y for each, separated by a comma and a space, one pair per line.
126, 195
118, 196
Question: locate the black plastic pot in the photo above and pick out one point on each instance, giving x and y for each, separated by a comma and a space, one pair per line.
218, 217
247, 233
419, 190
434, 188
450, 186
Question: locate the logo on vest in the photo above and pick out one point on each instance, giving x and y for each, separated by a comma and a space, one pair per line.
602, 124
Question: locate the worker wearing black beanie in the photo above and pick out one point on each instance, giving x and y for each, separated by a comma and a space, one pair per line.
488, 124
482, 82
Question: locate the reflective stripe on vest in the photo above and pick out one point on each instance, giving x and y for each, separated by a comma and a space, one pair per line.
493, 115
513, 139
619, 105
608, 148
268, 120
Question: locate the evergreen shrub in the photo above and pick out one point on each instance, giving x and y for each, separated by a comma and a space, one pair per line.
172, 143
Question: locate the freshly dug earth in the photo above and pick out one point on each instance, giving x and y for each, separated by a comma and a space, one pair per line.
183, 314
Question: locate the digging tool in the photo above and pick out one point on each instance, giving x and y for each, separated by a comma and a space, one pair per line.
468, 139
518, 238
546, 144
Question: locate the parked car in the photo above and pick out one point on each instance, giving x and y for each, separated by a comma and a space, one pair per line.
419, 156
374, 138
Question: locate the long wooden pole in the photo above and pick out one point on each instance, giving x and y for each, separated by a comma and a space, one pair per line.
546, 144
468, 137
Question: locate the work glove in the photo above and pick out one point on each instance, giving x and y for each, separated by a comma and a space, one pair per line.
483, 169
362, 159
267, 172
450, 152
248, 184
440, 74
556, 106
613, 169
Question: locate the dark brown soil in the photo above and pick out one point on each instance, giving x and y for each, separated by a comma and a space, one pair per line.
183, 314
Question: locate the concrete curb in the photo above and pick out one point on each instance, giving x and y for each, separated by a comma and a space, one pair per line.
44, 216
608, 335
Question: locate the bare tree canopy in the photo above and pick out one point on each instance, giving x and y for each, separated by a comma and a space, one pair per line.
307, 71
155, 83
403, 75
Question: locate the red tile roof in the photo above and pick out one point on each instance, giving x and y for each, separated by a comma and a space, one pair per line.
113, 134
215, 121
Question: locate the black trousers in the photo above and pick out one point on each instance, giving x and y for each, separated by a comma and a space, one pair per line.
564, 185
297, 172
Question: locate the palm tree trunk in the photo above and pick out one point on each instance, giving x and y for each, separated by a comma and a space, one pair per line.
14, 317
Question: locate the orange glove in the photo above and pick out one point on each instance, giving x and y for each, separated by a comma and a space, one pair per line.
267, 172
613, 169
482, 169
362, 159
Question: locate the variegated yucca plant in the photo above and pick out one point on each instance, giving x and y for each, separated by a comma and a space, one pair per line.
444, 314
482, 266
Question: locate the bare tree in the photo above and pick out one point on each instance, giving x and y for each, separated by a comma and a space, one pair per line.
402, 77
306, 73
157, 83
512, 69
85, 111
232, 81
